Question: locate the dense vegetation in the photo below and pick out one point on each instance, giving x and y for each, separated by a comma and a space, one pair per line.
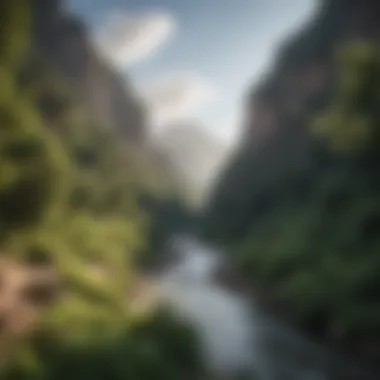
301, 214
69, 202
303, 219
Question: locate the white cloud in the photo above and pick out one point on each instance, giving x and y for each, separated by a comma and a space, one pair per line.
127, 38
177, 97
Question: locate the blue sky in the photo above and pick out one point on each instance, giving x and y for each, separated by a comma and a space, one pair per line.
225, 43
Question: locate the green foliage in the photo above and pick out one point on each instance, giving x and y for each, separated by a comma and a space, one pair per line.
157, 347
32, 169
318, 260
303, 221
352, 121
14, 31
69, 195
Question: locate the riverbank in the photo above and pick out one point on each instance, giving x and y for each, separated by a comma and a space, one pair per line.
202, 286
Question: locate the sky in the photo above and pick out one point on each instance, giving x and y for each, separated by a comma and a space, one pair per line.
192, 59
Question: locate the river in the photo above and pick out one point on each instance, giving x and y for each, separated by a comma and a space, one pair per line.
236, 335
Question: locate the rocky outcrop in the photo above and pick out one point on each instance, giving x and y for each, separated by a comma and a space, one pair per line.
303, 69
278, 110
25, 290
65, 43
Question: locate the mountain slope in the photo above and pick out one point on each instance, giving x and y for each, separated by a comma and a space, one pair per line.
298, 205
71, 226
194, 155
65, 43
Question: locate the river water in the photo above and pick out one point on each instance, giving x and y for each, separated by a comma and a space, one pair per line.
236, 335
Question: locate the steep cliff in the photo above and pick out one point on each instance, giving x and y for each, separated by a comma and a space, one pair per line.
302, 219
303, 69
65, 43
276, 139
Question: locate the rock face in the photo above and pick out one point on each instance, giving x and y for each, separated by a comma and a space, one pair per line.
278, 165
276, 138
303, 70
65, 43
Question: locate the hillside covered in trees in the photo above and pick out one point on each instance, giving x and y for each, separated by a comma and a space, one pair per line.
84, 198
72, 219
298, 204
